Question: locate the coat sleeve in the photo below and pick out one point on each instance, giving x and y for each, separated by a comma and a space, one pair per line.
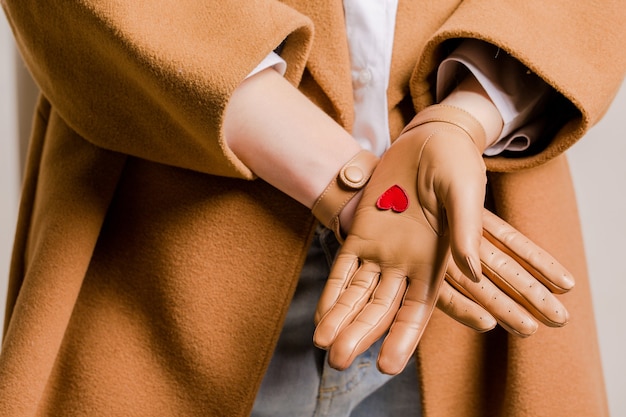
576, 47
151, 78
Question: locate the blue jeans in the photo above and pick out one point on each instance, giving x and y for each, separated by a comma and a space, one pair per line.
299, 382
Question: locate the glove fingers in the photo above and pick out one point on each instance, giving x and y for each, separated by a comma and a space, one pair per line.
535, 260
462, 192
463, 309
370, 324
464, 213
522, 287
513, 317
342, 271
408, 326
347, 306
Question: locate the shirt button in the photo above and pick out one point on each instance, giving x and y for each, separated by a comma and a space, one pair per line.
364, 77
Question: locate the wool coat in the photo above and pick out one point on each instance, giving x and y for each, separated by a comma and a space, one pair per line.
152, 271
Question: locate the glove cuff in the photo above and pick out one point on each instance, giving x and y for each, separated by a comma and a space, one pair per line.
455, 116
351, 178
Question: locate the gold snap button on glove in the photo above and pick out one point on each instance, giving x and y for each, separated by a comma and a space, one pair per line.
351, 178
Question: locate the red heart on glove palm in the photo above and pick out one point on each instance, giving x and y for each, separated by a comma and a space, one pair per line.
395, 198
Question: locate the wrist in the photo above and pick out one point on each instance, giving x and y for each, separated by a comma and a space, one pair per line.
454, 116
471, 97
284, 138
346, 217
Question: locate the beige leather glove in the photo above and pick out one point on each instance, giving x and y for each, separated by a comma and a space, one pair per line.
388, 273
518, 287
521, 277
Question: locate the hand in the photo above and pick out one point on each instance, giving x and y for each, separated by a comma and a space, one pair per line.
388, 272
518, 287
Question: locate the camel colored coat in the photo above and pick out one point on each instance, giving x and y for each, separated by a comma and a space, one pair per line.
152, 271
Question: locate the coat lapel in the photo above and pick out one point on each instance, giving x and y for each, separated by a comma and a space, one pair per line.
329, 61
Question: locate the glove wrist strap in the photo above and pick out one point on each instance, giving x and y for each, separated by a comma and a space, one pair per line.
351, 178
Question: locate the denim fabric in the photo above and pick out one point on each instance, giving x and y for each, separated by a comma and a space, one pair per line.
299, 382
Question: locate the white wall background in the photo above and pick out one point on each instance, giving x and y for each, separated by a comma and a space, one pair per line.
598, 165
9, 152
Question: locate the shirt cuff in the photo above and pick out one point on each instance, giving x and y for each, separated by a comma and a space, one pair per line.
517, 93
272, 60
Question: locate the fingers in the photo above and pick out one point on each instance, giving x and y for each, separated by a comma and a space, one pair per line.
369, 325
519, 279
342, 271
535, 260
513, 317
408, 326
464, 213
521, 286
350, 300
464, 309
464, 203
459, 186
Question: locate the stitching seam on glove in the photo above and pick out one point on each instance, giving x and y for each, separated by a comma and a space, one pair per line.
454, 116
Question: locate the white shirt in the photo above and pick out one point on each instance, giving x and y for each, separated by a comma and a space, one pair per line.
370, 28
